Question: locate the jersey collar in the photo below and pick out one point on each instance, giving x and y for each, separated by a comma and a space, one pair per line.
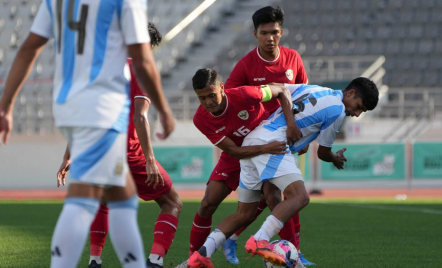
269, 61
225, 108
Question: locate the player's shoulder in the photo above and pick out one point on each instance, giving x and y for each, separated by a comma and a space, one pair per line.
201, 115
289, 52
251, 56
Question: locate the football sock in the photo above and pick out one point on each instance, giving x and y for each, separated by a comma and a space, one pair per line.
124, 232
157, 259
164, 232
234, 237
297, 224
288, 231
71, 231
97, 259
213, 242
261, 207
200, 231
270, 227
98, 231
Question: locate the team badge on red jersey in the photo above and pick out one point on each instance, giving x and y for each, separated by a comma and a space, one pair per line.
244, 115
289, 74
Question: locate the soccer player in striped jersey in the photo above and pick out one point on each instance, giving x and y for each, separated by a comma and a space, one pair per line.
319, 113
225, 118
151, 179
91, 107
268, 63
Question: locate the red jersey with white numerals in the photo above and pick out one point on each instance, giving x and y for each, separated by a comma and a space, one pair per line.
243, 112
254, 70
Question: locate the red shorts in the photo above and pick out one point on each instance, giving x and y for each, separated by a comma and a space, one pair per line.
228, 170
148, 193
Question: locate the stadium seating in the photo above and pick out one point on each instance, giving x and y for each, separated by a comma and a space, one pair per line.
406, 32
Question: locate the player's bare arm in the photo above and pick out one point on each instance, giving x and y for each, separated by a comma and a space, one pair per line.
22, 66
285, 98
141, 122
149, 79
338, 158
275, 147
64, 168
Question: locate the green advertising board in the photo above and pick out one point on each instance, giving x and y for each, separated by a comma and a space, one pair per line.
427, 160
368, 161
186, 163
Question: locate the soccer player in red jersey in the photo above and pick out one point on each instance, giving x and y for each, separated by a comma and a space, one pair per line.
225, 118
152, 181
268, 63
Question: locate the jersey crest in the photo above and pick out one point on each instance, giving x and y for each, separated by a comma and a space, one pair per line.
289, 74
244, 115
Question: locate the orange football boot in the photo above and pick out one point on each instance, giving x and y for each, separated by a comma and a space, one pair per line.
262, 248
198, 261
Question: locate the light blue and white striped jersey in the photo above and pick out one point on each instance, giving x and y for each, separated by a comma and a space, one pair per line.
320, 115
91, 39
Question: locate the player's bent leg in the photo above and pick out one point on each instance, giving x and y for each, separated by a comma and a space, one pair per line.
297, 199
216, 192
98, 233
72, 227
165, 227
123, 226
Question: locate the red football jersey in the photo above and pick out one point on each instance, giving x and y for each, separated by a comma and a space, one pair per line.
135, 155
243, 112
254, 70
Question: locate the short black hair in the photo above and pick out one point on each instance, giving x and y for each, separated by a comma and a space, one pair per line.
155, 35
366, 90
204, 78
268, 14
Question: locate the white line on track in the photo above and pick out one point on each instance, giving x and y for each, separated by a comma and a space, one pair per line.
381, 207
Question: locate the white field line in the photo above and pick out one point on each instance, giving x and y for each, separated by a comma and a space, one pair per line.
381, 207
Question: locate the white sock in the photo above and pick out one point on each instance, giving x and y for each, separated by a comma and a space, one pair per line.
214, 242
269, 228
95, 258
234, 237
155, 258
71, 231
124, 233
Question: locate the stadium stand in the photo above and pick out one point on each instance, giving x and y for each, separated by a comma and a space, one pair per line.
334, 37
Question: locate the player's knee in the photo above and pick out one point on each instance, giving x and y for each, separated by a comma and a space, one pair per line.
272, 201
304, 199
207, 209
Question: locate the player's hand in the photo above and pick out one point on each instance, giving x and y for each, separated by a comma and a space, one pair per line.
62, 171
303, 150
293, 134
6, 122
168, 123
153, 174
340, 159
276, 147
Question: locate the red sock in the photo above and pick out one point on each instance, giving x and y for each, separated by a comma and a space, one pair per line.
261, 207
163, 234
200, 231
288, 231
297, 224
99, 230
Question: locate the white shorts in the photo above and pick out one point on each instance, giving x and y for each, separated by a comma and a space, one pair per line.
98, 156
259, 169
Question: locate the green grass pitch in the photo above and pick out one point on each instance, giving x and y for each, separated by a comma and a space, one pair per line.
334, 234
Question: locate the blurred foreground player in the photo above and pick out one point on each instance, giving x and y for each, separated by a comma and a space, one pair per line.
225, 118
319, 113
92, 43
269, 63
152, 181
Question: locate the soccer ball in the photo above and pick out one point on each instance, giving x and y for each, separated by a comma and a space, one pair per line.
286, 250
